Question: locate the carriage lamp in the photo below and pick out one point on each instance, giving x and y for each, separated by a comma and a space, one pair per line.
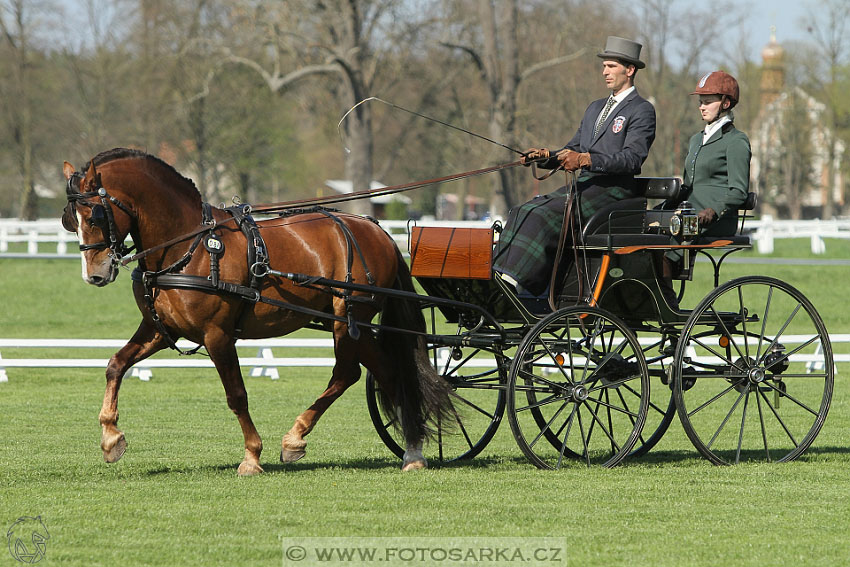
689, 220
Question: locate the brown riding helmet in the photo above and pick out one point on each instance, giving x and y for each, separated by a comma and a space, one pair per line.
719, 83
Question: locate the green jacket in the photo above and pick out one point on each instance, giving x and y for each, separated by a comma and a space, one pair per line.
717, 176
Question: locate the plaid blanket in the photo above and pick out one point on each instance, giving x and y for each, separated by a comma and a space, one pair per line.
529, 242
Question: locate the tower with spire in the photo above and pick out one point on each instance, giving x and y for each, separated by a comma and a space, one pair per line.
773, 70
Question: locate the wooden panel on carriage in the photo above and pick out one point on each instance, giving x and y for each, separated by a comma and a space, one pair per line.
449, 252
457, 264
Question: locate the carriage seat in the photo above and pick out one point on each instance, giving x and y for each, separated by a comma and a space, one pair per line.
738, 240
623, 223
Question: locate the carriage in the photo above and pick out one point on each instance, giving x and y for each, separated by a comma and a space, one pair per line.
598, 372
593, 374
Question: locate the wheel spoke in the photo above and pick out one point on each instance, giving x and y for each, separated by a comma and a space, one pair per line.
545, 401
788, 355
610, 406
583, 442
601, 425
712, 400
548, 426
779, 419
722, 357
726, 331
761, 422
764, 321
742, 311
531, 377
569, 425
725, 420
616, 384
637, 395
477, 408
793, 399
743, 422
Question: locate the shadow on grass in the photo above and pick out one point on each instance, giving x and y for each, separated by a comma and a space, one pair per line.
653, 459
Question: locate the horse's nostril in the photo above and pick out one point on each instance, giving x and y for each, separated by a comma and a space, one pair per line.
96, 280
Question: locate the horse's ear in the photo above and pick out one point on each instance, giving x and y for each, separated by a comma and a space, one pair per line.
93, 177
67, 170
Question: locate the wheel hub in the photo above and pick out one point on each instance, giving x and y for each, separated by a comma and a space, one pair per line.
580, 393
756, 375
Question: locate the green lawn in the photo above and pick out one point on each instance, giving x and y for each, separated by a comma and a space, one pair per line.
175, 499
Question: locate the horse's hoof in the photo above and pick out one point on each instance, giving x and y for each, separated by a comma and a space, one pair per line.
249, 469
114, 454
290, 456
414, 465
291, 449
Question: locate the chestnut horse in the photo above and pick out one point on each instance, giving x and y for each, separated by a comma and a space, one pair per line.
122, 192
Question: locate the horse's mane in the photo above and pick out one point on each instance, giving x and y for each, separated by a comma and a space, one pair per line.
127, 153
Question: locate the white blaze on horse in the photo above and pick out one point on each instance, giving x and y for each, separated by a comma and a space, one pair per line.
212, 294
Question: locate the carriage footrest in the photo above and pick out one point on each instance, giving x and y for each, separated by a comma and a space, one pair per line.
449, 252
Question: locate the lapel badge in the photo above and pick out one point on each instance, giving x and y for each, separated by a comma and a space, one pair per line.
619, 122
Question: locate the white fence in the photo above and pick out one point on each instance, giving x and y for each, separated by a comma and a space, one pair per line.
47, 239
265, 363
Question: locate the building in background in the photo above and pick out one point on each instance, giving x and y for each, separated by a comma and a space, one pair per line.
792, 161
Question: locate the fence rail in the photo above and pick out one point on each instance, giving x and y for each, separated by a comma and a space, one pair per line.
47, 239
265, 363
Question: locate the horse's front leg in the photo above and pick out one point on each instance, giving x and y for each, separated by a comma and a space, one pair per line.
144, 343
223, 354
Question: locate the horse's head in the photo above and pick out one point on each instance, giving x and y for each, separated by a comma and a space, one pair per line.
100, 221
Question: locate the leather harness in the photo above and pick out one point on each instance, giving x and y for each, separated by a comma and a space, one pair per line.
258, 263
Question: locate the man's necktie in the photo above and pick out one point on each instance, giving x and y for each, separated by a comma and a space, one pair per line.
604, 115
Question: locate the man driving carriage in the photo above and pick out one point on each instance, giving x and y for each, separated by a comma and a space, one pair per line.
609, 148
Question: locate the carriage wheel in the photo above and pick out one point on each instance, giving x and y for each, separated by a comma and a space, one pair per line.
478, 404
753, 373
578, 389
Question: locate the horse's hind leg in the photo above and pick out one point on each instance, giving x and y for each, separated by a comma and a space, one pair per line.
345, 373
144, 343
224, 356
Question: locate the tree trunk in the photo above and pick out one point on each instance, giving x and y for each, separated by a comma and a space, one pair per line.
358, 162
17, 40
501, 69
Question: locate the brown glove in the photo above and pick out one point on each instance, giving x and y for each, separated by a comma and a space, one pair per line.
572, 161
534, 154
706, 216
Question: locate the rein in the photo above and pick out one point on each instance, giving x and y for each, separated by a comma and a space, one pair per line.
281, 207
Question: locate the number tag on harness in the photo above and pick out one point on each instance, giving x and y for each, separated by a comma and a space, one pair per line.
213, 244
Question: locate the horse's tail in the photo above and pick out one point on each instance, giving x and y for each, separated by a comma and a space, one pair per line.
419, 395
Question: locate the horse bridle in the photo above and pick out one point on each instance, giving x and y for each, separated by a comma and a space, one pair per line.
102, 216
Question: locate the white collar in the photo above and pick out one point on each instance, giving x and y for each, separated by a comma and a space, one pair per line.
619, 98
712, 128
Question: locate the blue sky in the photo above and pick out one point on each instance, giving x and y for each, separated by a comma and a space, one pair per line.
786, 15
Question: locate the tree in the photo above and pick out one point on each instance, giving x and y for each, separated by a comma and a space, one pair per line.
16, 24
496, 56
342, 40
828, 22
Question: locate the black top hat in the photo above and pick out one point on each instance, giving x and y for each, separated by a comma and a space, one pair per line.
622, 50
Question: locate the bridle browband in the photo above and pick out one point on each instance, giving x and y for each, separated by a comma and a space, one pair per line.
102, 216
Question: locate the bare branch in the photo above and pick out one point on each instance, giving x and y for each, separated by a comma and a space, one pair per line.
479, 63
537, 67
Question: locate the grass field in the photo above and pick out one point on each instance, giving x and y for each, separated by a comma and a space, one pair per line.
175, 499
